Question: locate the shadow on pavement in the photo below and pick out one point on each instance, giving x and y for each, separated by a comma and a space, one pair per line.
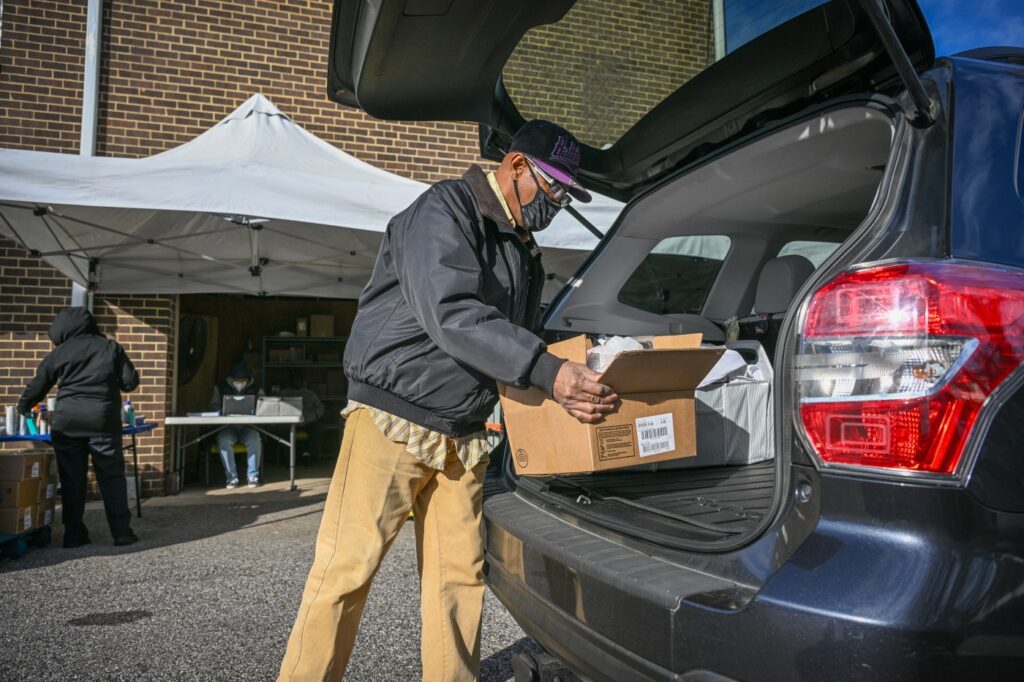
191, 516
498, 666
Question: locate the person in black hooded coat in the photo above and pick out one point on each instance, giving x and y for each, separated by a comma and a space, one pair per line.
90, 372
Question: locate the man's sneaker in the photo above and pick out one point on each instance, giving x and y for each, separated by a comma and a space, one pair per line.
253, 482
129, 538
233, 483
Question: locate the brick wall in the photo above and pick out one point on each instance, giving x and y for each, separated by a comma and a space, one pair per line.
172, 68
607, 63
31, 293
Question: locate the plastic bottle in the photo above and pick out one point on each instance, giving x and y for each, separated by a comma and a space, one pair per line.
44, 424
33, 430
129, 413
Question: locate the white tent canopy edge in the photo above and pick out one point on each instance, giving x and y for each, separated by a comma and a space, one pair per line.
255, 205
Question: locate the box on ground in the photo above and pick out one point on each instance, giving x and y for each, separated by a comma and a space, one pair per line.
19, 493
45, 511
655, 421
21, 466
321, 325
15, 520
47, 488
49, 460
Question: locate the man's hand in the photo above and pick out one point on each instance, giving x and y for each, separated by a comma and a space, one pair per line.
576, 389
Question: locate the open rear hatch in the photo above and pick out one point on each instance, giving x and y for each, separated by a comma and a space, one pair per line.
645, 92
648, 91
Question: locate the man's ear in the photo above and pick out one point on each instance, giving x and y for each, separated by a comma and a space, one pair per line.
517, 165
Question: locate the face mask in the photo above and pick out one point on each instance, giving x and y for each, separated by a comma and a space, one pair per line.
239, 385
539, 213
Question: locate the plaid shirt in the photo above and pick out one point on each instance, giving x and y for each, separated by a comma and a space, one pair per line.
429, 447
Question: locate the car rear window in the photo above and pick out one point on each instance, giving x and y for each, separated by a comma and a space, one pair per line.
816, 252
677, 275
600, 69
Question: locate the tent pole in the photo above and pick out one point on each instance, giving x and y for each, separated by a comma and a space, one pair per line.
91, 77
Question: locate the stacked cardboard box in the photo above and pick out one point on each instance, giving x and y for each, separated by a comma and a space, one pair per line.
21, 477
321, 325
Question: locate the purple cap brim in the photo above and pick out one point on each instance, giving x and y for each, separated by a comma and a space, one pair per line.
574, 187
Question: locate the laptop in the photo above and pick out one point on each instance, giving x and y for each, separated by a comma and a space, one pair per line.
239, 404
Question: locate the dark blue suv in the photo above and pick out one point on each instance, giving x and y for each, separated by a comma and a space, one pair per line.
802, 174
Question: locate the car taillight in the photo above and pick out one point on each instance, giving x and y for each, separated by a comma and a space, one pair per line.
895, 362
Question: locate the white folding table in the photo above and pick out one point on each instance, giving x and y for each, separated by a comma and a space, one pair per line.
220, 423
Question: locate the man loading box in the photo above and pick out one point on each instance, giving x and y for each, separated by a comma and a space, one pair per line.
452, 306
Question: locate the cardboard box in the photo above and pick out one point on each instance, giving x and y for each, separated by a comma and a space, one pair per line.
302, 326
17, 520
45, 511
47, 488
655, 421
272, 406
21, 466
49, 463
19, 493
321, 325
279, 355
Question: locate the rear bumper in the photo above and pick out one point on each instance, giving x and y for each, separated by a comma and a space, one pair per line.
845, 606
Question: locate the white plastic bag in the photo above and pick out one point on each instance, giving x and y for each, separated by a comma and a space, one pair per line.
599, 357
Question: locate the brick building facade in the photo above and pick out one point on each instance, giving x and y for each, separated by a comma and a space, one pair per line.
172, 68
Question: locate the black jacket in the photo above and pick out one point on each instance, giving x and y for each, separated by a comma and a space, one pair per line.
90, 371
451, 306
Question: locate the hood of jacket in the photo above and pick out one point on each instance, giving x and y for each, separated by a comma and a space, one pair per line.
72, 322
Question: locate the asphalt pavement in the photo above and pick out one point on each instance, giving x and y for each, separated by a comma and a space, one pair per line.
209, 593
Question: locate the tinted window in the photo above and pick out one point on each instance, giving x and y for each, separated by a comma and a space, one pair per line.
676, 276
604, 65
816, 252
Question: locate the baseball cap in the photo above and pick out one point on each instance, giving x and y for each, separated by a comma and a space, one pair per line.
555, 150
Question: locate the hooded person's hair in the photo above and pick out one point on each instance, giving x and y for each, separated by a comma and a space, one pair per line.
72, 322
240, 371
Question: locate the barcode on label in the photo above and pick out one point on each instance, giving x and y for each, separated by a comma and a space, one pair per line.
655, 434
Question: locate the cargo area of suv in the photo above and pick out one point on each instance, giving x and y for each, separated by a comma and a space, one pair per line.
722, 251
803, 178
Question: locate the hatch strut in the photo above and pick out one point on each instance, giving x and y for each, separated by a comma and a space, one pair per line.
926, 107
584, 222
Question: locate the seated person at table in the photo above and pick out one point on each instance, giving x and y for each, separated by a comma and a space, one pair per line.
312, 412
238, 382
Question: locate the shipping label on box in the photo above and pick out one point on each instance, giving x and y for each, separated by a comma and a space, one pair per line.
19, 493
21, 466
44, 513
17, 519
47, 488
655, 420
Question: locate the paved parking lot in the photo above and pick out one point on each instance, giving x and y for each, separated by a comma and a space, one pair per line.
208, 594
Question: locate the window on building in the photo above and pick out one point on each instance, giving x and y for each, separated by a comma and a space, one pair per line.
677, 275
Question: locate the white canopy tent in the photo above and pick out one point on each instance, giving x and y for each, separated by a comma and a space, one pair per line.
254, 205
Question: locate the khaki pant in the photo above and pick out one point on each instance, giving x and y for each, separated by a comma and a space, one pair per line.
376, 483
